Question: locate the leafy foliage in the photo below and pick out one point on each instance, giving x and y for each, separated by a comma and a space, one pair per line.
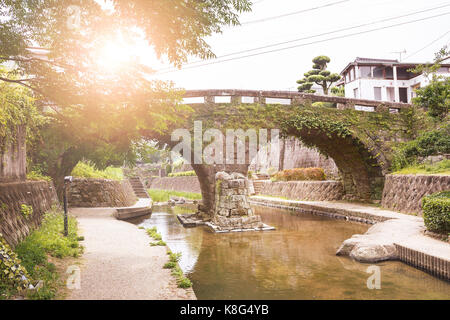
300, 174
48, 240
12, 274
86, 169
441, 167
436, 211
429, 143
435, 97
319, 75
26, 210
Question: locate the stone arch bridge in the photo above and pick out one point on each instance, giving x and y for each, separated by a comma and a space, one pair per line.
357, 134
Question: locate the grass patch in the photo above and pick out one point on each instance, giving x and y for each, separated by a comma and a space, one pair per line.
48, 240
86, 169
182, 174
153, 233
159, 195
182, 281
37, 176
441, 167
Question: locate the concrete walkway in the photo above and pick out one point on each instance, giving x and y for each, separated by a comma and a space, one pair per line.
394, 236
119, 263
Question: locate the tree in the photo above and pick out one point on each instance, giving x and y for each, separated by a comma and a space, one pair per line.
435, 97
96, 113
319, 75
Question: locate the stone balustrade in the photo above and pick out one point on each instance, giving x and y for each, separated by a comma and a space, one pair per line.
235, 96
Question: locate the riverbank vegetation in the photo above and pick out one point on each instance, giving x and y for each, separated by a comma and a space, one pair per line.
172, 264
44, 255
87, 169
410, 154
159, 195
182, 174
441, 168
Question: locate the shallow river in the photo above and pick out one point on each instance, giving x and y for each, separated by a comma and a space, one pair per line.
297, 261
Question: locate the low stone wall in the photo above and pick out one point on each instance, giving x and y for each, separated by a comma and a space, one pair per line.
90, 193
186, 184
404, 193
40, 195
303, 190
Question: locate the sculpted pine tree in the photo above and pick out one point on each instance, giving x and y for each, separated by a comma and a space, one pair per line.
319, 75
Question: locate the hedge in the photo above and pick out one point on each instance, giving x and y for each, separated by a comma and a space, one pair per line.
436, 211
300, 174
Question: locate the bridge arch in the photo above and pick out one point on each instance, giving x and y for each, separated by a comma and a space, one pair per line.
360, 143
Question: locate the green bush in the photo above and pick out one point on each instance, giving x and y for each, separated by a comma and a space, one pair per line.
13, 275
435, 97
36, 175
436, 211
86, 169
182, 174
427, 144
300, 174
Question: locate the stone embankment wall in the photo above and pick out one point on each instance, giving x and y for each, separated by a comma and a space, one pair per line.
14, 225
186, 184
404, 193
303, 190
91, 193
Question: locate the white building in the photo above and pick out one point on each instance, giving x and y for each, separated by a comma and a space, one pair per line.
384, 80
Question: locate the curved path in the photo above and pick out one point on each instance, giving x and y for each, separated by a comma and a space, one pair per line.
119, 263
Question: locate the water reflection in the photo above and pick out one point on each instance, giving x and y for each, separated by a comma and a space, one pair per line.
296, 261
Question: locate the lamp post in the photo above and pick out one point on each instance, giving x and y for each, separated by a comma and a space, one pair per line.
67, 181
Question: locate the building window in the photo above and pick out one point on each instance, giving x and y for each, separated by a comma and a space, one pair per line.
347, 77
365, 72
443, 70
377, 93
378, 72
389, 73
355, 93
404, 74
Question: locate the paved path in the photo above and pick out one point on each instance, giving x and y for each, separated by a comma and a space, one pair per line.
119, 263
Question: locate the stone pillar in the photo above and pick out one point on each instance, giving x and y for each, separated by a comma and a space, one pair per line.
232, 207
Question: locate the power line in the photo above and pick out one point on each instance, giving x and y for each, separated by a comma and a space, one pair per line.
316, 35
435, 40
293, 13
309, 43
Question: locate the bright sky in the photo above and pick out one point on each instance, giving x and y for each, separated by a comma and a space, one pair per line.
280, 70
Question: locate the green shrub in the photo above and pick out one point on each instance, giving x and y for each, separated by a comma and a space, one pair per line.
182, 174
300, 174
170, 265
436, 211
13, 275
36, 175
86, 169
427, 144
26, 210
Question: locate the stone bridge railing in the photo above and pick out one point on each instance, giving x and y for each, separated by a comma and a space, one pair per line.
286, 97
